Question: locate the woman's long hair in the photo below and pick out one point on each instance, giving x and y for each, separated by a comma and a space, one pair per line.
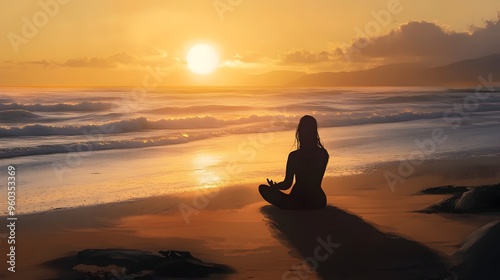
307, 135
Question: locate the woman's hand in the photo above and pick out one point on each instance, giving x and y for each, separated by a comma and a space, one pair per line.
271, 183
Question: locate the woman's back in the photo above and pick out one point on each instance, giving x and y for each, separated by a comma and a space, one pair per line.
309, 168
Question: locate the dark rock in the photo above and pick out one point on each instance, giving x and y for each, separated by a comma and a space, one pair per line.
446, 205
479, 254
475, 200
132, 260
481, 199
450, 189
137, 264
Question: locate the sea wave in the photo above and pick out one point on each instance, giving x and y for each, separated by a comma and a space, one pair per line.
17, 115
136, 125
98, 145
85, 106
199, 109
432, 98
210, 122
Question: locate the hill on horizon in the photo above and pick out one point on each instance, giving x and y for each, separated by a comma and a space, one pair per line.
464, 72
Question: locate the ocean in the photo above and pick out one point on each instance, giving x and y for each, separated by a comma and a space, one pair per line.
74, 147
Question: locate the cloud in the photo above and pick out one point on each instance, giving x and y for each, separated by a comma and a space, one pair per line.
305, 56
122, 58
415, 41
42, 62
94, 62
429, 42
249, 57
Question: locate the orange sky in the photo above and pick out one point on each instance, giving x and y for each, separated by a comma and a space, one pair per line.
93, 42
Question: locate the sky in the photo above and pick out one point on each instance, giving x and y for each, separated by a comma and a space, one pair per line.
120, 42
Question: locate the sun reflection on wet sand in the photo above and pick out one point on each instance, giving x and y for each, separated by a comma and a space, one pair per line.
204, 170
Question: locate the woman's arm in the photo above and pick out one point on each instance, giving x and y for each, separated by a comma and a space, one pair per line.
290, 171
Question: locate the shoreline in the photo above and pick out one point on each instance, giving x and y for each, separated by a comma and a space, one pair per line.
456, 170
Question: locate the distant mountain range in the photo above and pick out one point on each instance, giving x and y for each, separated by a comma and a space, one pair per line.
464, 72
461, 73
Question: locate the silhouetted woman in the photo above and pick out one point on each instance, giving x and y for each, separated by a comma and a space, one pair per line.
307, 164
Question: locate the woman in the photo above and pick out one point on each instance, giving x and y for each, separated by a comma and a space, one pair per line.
307, 164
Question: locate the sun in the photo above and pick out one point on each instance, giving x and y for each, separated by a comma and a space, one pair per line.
202, 59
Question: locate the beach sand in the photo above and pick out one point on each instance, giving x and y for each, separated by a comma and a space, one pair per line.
376, 232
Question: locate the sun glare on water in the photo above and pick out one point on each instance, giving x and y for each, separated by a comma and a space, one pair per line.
202, 59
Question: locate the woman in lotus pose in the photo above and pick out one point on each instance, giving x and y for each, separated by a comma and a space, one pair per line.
307, 164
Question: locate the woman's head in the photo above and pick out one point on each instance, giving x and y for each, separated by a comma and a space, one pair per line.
307, 133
